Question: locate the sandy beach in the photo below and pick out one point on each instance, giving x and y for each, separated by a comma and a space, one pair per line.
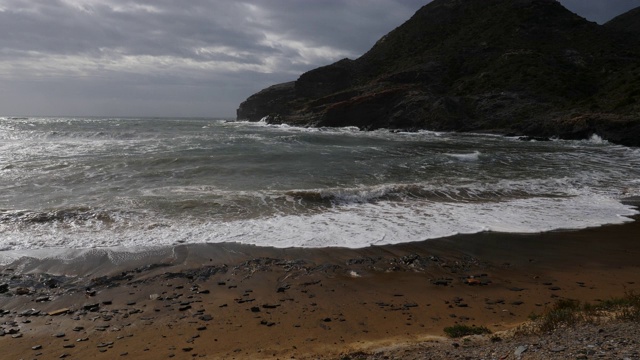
230, 301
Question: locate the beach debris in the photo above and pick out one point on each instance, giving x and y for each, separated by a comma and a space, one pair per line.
58, 312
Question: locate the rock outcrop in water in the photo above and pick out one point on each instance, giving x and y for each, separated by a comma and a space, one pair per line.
524, 67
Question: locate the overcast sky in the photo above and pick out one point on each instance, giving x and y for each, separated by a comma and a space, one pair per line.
185, 57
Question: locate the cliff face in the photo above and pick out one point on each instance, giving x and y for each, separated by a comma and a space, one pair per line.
511, 66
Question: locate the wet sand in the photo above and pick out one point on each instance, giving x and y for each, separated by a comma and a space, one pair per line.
225, 301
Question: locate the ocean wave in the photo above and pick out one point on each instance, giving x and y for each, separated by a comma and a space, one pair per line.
352, 226
474, 156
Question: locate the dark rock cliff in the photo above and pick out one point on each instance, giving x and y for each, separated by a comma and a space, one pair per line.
526, 67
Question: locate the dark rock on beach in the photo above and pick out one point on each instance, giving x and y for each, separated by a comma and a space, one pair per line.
528, 68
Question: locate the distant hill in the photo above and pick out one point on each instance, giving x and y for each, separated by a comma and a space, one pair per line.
629, 21
527, 67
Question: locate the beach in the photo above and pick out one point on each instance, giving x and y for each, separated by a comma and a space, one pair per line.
224, 301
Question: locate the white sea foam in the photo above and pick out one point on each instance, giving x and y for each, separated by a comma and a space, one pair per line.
596, 139
353, 226
474, 156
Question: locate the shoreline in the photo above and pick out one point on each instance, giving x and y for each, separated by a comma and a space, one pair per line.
243, 301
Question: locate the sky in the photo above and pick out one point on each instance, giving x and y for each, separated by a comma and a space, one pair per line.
186, 58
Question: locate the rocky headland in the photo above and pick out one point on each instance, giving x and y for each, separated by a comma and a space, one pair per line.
525, 67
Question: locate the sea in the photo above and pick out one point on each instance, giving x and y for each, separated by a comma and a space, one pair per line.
141, 183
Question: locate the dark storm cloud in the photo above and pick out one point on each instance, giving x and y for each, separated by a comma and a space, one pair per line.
195, 57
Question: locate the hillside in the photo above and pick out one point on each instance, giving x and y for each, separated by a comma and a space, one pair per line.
629, 21
526, 67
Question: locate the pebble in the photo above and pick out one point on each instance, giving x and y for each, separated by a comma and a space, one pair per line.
520, 350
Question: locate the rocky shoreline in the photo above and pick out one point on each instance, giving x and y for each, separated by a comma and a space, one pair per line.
236, 301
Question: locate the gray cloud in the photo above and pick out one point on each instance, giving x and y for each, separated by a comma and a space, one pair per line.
184, 58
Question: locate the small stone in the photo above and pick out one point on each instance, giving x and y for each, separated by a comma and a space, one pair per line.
187, 349
92, 307
68, 346
23, 291
59, 335
558, 349
37, 347
520, 350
